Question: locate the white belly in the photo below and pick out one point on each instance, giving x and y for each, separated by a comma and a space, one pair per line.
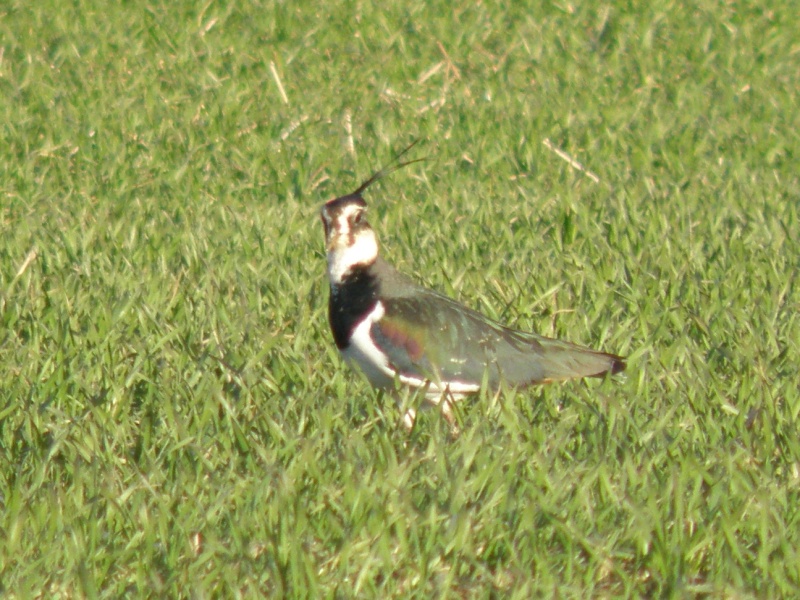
363, 352
369, 358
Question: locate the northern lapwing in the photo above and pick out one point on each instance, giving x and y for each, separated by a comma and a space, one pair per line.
396, 330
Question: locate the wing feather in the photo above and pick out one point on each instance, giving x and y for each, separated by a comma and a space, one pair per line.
430, 336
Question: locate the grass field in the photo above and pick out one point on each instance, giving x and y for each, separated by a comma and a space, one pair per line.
174, 418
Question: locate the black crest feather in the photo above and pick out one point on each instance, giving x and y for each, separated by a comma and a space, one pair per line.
390, 168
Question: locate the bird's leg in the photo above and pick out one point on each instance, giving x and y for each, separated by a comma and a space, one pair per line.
447, 403
409, 419
407, 401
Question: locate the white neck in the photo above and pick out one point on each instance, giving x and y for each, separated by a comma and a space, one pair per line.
342, 258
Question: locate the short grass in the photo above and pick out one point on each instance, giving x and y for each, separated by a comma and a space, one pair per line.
174, 418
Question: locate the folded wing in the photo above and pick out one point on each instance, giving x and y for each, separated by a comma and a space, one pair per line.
429, 336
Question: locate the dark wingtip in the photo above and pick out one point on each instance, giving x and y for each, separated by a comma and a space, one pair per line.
618, 364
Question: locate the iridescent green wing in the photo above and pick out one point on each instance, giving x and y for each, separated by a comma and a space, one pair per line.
429, 336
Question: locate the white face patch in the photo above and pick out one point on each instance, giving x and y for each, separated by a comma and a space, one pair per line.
348, 246
343, 220
340, 225
343, 256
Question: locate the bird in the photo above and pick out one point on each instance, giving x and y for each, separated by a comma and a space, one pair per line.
398, 331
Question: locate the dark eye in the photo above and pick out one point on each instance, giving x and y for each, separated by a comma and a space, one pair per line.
358, 218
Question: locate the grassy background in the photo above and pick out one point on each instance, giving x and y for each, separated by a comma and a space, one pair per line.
174, 418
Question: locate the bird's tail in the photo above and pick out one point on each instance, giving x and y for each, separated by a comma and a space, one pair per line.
562, 360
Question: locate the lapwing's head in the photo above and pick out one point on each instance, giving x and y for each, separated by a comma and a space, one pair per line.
349, 240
